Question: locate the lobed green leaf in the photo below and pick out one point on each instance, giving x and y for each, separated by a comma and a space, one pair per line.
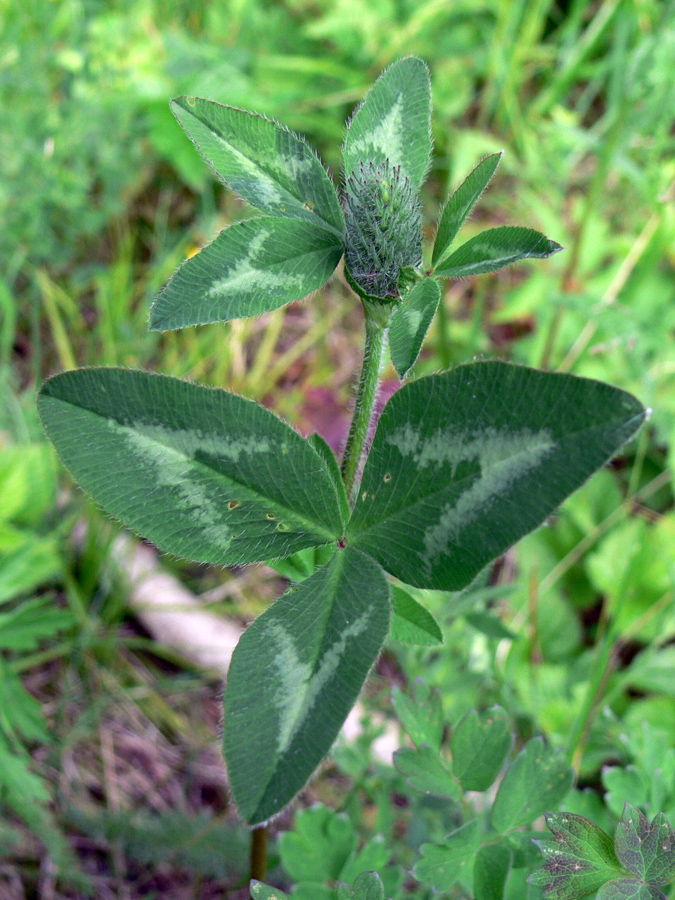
250, 268
319, 846
538, 779
262, 161
367, 886
425, 771
465, 463
371, 856
202, 473
480, 744
579, 860
421, 714
460, 205
495, 248
646, 851
627, 889
442, 865
394, 122
294, 677
410, 323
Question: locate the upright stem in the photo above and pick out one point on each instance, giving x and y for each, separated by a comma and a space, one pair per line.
377, 319
259, 837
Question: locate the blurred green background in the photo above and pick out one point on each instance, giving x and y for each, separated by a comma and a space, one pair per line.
111, 783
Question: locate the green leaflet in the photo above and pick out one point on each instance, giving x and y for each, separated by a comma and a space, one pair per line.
202, 473
410, 323
411, 623
444, 864
394, 122
646, 851
461, 203
294, 676
252, 267
421, 714
367, 886
465, 463
579, 859
480, 744
424, 771
262, 161
627, 889
495, 248
320, 845
491, 871
323, 449
537, 779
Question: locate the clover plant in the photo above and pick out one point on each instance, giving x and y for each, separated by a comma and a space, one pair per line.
462, 463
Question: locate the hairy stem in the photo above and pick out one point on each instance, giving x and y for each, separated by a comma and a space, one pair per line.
377, 320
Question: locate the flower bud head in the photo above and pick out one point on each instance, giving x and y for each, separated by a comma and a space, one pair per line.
384, 228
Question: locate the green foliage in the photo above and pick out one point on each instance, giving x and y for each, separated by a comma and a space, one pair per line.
322, 855
460, 204
647, 779
421, 714
197, 843
29, 561
367, 886
410, 324
263, 162
218, 496
411, 623
251, 267
480, 744
487, 843
495, 248
582, 859
455, 453
102, 196
28, 558
462, 465
311, 653
393, 124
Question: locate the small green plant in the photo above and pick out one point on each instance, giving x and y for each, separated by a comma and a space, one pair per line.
462, 464
494, 798
581, 859
29, 562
